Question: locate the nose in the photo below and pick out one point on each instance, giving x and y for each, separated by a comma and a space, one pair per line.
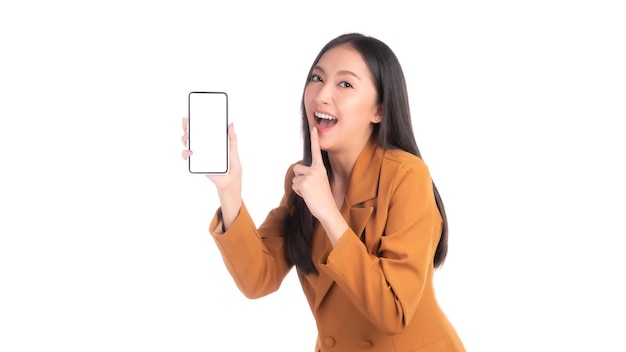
324, 94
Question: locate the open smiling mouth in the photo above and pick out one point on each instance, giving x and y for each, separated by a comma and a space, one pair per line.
325, 120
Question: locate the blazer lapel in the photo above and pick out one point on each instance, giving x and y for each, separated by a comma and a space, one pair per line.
357, 208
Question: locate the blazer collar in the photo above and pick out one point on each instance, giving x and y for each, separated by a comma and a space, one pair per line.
363, 183
363, 186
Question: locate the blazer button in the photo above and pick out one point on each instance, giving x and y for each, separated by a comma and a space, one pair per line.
365, 344
329, 342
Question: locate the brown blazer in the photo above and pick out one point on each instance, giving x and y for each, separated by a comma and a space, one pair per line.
375, 290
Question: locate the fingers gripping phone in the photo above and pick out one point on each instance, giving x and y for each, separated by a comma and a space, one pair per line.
208, 132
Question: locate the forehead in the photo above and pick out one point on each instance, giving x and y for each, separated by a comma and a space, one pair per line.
343, 58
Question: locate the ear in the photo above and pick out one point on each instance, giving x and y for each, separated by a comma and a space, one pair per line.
378, 116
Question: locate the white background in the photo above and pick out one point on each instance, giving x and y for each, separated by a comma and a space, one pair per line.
518, 108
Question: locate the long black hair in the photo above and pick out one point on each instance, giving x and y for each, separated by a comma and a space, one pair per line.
395, 131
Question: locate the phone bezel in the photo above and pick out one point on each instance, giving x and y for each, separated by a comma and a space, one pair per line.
189, 131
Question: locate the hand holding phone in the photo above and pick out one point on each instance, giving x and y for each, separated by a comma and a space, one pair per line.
228, 183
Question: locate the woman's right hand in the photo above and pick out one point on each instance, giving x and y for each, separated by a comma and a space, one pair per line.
228, 185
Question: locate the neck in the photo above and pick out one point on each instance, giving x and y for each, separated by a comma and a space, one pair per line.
342, 163
341, 166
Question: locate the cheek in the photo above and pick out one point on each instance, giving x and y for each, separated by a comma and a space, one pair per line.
361, 109
308, 97
308, 101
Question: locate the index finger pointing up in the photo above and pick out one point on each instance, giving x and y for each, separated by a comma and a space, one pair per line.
316, 151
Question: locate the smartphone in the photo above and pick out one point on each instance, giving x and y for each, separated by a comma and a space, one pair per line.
208, 132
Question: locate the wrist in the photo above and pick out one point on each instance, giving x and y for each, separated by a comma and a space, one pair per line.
335, 226
230, 205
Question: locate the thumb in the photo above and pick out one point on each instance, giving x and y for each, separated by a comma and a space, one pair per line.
316, 151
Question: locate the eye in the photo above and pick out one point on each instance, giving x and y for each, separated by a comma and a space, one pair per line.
345, 84
315, 78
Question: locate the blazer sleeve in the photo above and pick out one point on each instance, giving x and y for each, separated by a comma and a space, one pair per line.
255, 256
387, 286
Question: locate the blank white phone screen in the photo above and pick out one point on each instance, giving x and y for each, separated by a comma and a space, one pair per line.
208, 132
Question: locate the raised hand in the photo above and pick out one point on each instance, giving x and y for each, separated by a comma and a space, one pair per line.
311, 182
228, 185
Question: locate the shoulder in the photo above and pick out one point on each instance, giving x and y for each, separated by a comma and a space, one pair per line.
406, 175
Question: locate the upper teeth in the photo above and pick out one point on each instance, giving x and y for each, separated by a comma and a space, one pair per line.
324, 116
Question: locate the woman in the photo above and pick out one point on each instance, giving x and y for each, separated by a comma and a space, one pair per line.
360, 219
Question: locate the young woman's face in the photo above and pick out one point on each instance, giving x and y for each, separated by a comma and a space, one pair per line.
340, 100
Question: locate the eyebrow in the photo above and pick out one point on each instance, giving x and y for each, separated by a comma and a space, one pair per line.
341, 72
